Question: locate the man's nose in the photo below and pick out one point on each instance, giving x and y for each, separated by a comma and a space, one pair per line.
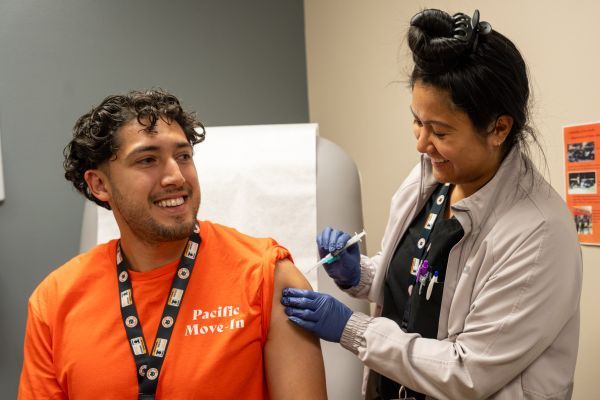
172, 175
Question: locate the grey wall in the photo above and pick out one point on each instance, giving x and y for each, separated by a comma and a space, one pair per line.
233, 61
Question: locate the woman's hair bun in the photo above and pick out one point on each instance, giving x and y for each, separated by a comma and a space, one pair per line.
436, 41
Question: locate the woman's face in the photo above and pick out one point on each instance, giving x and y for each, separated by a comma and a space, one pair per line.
459, 154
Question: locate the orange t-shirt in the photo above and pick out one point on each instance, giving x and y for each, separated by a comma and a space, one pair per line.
76, 346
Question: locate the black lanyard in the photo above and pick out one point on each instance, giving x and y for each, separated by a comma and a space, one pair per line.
418, 266
149, 364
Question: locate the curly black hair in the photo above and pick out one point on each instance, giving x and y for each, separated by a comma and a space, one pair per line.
94, 133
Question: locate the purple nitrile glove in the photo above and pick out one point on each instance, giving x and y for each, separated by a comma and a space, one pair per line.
345, 270
317, 312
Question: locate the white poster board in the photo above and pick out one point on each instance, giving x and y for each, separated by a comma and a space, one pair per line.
262, 180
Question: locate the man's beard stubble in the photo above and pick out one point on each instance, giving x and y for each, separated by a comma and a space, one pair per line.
146, 228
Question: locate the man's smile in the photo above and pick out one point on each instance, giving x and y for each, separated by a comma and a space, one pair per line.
171, 202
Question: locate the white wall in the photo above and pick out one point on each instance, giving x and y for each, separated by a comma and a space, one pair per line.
358, 63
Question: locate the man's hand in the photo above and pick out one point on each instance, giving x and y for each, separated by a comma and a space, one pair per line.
317, 312
345, 271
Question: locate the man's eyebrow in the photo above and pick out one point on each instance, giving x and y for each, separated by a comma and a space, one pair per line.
181, 145
151, 148
431, 121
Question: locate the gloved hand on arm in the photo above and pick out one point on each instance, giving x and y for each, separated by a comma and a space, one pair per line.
345, 271
317, 312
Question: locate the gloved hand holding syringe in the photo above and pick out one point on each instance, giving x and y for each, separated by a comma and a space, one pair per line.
318, 312
333, 256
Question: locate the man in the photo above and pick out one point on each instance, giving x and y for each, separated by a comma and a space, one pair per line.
175, 309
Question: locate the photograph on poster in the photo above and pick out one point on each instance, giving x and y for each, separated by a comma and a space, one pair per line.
583, 219
582, 182
583, 151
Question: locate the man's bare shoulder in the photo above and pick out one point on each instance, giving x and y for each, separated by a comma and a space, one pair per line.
288, 275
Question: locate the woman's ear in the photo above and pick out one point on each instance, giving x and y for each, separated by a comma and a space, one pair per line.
501, 130
98, 184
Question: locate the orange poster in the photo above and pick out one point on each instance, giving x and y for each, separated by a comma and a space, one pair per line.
582, 170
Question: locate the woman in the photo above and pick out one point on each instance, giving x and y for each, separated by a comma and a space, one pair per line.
479, 277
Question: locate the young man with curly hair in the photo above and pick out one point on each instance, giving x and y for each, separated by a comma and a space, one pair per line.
176, 308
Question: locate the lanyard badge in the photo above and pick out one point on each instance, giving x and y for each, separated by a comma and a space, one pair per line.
149, 363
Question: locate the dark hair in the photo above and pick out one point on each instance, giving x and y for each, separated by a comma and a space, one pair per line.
94, 134
481, 69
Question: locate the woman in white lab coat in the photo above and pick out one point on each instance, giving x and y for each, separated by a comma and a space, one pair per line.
478, 280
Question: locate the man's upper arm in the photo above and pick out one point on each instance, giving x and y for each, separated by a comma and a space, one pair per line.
293, 359
38, 379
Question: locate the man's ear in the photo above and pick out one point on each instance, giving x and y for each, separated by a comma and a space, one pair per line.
98, 184
501, 130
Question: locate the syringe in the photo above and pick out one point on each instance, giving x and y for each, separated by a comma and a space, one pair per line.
331, 257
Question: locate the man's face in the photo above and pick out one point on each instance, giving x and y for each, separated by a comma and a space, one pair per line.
152, 183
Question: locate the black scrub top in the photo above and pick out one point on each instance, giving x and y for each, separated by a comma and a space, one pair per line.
424, 315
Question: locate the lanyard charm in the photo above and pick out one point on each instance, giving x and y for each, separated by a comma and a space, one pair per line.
422, 271
422, 275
